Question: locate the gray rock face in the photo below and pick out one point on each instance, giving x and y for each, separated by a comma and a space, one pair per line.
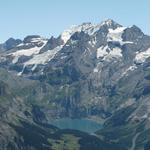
29, 38
10, 44
94, 69
52, 43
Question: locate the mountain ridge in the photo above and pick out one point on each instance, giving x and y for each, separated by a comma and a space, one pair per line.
88, 71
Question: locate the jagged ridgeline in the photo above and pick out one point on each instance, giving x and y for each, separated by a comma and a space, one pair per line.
99, 71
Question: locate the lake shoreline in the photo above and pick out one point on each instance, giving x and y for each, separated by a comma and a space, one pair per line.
88, 124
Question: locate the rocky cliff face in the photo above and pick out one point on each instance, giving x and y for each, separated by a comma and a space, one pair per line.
23, 126
90, 66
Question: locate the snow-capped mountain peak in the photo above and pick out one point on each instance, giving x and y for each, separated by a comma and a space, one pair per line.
65, 36
110, 23
88, 28
104, 42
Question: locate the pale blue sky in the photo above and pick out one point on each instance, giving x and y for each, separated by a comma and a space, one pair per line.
19, 18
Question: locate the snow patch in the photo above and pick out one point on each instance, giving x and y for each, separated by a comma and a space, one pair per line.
34, 67
44, 57
20, 73
142, 56
93, 42
25, 52
63, 57
106, 53
102, 51
116, 35
95, 70
131, 68
36, 40
115, 52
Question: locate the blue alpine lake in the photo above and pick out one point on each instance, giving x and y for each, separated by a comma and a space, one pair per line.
85, 125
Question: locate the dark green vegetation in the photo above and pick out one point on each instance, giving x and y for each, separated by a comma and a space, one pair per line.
125, 134
46, 137
22, 127
22, 122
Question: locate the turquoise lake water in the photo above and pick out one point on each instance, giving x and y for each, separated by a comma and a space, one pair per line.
85, 125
